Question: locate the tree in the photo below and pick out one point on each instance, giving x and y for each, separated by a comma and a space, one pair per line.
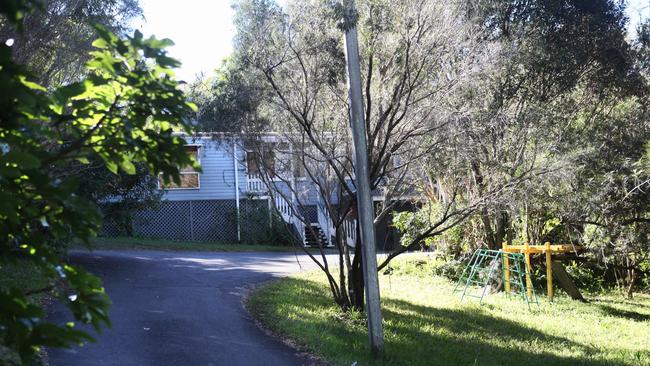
56, 39
557, 59
564, 108
611, 207
227, 100
125, 112
118, 195
413, 55
486, 109
54, 44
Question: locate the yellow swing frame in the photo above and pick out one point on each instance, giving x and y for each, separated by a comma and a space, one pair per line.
548, 250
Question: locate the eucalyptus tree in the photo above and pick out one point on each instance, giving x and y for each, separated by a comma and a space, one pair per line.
558, 66
227, 100
612, 208
564, 110
614, 205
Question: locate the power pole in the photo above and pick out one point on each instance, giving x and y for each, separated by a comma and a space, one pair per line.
365, 209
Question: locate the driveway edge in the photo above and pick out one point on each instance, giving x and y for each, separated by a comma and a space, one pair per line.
302, 352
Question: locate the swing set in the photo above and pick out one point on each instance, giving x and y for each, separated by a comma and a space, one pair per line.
516, 274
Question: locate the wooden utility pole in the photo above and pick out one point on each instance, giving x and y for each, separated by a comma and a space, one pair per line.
365, 209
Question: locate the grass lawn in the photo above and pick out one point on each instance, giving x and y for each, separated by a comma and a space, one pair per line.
159, 244
25, 275
425, 324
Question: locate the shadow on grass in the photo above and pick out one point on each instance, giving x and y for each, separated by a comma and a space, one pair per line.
624, 302
416, 334
625, 314
469, 336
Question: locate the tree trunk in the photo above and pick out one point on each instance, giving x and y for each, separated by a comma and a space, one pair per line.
355, 279
565, 282
509, 232
503, 220
342, 271
490, 238
487, 228
340, 298
630, 287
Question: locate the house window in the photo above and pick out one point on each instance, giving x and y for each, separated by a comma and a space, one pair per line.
276, 159
255, 163
298, 168
189, 176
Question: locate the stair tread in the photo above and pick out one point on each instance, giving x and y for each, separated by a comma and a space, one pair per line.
314, 235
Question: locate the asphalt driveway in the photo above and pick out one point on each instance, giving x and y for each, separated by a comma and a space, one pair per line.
173, 308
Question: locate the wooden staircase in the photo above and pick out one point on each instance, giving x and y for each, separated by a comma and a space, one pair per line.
315, 236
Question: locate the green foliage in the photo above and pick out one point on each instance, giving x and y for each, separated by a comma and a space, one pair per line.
645, 280
450, 242
126, 112
15, 10
427, 266
255, 226
560, 38
55, 39
410, 224
137, 192
227, 102
611, 187
588, 278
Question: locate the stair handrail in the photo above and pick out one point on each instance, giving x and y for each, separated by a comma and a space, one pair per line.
325, 223
289, 215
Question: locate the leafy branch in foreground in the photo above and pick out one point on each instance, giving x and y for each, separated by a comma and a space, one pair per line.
125, 112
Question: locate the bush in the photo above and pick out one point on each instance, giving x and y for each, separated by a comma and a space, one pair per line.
256, 229
424, 265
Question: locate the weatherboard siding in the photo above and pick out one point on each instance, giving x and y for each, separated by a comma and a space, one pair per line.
217, 181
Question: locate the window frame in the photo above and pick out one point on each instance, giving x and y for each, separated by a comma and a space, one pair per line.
199, 147
260, 159
272, 154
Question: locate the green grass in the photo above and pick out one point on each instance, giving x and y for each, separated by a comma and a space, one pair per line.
159, 244
25, 275
425, 324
